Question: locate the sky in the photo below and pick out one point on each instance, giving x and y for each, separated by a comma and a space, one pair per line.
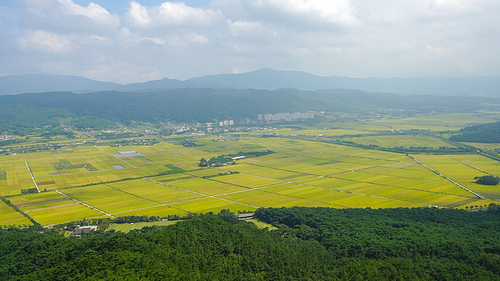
143, 40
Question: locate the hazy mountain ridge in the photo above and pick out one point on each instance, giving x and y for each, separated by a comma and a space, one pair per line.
264, 79
39, 83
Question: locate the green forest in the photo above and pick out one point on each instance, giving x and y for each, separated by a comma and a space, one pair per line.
101, 109
485, 133
309, 244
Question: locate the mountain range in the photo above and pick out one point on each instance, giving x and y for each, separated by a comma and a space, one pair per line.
264, 79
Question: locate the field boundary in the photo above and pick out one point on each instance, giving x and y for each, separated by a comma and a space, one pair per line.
84, 204
451, 180
32, 177
19, 211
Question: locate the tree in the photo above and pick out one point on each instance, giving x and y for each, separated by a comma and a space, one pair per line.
488, 180
203, 162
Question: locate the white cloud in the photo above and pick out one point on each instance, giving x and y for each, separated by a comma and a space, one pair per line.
42, 41
156, 40
196, 38
452, 5
437, 50
317, 12
172, 39
95, 13
138, 15
66, 15
171, 14
100, 38
244, 27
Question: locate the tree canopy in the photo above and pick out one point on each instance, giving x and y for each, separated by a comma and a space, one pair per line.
309, 244
488, 180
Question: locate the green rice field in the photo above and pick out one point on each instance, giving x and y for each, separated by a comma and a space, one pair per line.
400, 140
165, 179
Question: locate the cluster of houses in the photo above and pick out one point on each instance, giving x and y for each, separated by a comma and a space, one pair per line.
223, 123
285, 116
5, 137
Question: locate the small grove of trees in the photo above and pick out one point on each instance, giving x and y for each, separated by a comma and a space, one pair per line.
488, 180
228, 159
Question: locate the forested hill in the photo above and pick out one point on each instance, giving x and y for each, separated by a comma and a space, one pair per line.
486, 133
309, 244
209, 104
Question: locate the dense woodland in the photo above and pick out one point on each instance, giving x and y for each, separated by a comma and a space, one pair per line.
101, 109
486, 133
309, 244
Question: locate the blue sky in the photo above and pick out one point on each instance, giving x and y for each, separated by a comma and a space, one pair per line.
141, 40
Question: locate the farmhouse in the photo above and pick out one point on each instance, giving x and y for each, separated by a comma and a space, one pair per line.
245, 216
79, 231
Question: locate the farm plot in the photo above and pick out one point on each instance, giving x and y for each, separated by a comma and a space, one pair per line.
289, 164
156, 192
211, 204
438, 122
365, 184
13, 169
408, 195
62, 213
481, 163
52, 208
205, 172
268, 199
108, 199
401, 140
337, 199
331, 183
153, 190
247, 180
171, 177
161, 211
9, 216
315, 194
359, 126
267, 172
370, 154
413, 171
460, 172
362, 201
14, 186
212, 186
408, 183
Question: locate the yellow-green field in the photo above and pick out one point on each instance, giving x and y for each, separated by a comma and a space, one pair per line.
164, 179
400, 140
439, 122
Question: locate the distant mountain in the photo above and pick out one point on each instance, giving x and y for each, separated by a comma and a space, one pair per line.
264, 79
161, 84
269, 79
39, 83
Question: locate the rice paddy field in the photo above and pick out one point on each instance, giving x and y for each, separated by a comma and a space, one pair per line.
440, 122
165, 179
401, 140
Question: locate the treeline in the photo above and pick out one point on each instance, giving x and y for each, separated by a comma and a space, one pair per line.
309, 244
402, 149
484, 133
